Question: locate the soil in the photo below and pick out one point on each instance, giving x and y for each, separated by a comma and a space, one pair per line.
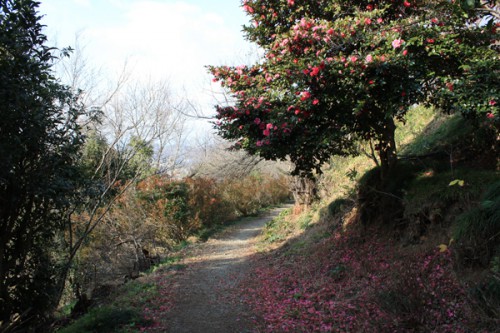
206, 294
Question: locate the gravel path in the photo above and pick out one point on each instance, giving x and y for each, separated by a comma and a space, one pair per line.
206, 297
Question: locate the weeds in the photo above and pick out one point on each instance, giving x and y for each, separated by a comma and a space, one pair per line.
106, 319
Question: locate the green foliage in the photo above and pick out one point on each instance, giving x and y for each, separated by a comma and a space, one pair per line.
440, 136
40, 182
338, 205
141, 158
106, 319
486, 296
278, 228
477, 231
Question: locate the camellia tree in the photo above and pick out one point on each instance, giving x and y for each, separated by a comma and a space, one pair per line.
336, 72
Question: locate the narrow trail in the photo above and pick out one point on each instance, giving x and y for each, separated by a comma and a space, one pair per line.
206, 294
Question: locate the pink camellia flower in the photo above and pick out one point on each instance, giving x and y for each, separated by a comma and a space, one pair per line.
406, 4
258, 143
330, 31
430, 40
315, 101
248, 9
368, 21
397, 43
257, 121
354, 59
490, 115
314, 71
266, 132
369, 58
369, 7
269, 126
492, 102
305, 95
291, 2
380, 20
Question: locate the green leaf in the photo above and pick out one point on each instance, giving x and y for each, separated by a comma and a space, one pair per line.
458, 182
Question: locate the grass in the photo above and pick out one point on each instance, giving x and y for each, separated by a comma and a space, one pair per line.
106, 319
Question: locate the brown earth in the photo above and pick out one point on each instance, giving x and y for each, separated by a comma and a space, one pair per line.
205, 294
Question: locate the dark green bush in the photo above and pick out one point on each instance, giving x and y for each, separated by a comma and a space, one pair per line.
477, 231
105, 319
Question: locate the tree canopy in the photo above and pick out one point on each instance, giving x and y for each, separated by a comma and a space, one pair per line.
40, 140
336, 72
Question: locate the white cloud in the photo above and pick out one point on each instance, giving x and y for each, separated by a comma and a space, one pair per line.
161, 39
84, 3
170, 39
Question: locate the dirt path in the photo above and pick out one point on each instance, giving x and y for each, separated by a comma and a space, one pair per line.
206, 293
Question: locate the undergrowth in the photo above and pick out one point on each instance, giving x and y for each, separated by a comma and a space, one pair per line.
334, 274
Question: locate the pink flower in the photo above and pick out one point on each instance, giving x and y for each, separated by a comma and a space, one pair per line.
330, 31
430, 40
257, 121
315, 101
368, 21
354, 58
291, 2
397, 43
369, 7
492, 102
269, 126
406, 4
305, 95
259, 143
266, 132
314, 71
369, 58
405, 52
490, 115
247, 8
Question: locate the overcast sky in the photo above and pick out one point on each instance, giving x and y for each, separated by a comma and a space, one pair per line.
161, 39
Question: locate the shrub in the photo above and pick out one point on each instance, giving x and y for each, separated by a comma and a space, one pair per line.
105, 319
478, 230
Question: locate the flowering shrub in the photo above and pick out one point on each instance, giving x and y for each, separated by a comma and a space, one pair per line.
334, 72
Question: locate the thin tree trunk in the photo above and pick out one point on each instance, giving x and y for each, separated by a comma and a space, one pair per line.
387, 146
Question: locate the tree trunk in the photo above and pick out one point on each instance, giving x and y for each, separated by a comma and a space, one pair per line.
304, 192
387, 146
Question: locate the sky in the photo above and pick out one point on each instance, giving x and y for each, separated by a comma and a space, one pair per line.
169, 40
